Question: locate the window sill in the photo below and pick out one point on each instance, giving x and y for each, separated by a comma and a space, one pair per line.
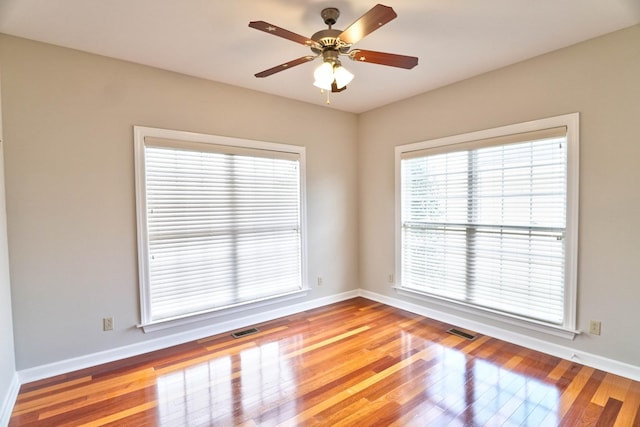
548, 329
219, 312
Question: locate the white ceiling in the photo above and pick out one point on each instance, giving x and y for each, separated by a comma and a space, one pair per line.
454, 39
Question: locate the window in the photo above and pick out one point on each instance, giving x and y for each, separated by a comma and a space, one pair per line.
487, 221
220, 222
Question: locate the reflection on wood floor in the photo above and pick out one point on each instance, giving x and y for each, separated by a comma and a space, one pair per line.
354, 363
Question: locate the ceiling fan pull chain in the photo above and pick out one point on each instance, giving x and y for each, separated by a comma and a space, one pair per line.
322, 91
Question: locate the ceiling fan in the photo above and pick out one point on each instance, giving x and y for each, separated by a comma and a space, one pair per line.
330, 44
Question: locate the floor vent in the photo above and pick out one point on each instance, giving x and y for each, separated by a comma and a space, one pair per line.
244, 333
462, 334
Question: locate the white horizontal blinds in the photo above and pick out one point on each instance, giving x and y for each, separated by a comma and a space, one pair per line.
222, 229
485, 226
434, 204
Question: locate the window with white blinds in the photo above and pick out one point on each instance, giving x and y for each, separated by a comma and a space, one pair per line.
221, 224
489, 220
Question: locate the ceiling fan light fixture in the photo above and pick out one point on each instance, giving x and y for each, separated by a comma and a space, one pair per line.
329, 72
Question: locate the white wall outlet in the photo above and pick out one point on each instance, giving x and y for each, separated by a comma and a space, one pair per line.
595, 327
390, 278
319, 280
107, 324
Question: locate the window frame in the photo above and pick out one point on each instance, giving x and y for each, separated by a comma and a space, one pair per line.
142, 132
571, 121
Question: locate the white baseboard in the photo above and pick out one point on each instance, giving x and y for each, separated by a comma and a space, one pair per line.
81, 362
9, 400
70, 365
584, 358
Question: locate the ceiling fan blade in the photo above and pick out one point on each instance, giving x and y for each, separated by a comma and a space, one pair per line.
375, 18
285, 66
281, 32
382, 58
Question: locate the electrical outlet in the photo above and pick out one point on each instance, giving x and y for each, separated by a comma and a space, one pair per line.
107, 324
319, 280
595, 327
390, 278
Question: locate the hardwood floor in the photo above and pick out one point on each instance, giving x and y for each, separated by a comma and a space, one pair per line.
354, 363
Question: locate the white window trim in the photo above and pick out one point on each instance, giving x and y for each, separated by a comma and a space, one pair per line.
571, 121
142, 132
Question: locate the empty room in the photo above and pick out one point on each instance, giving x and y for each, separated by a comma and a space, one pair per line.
276, 212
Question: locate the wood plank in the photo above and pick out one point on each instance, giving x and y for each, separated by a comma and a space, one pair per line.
629, 414
119, 415
52, 388
612, 386
609, 413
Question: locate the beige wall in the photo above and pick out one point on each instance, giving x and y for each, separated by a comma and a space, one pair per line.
70, 187
7, 360
598, 78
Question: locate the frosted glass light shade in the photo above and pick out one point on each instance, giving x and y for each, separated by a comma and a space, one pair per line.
342, 76
323, 76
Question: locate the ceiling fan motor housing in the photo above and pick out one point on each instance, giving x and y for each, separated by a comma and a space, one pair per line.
328, 40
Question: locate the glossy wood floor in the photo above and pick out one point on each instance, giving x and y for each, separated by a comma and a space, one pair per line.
355, 363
